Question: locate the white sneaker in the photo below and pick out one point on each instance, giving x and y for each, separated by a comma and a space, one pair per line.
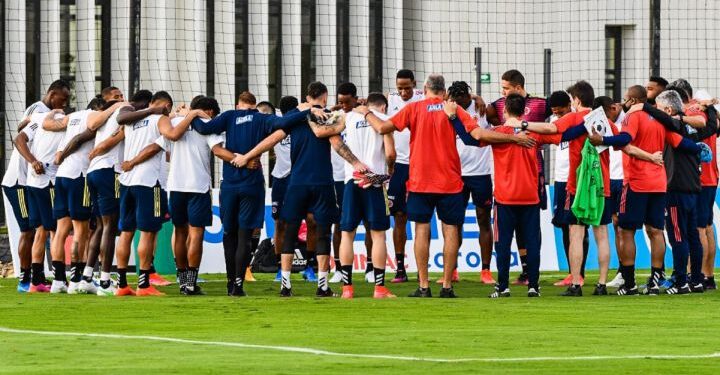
74, 288
617, 282
58, 287
106, 292
370, 277
336, 278
86, 287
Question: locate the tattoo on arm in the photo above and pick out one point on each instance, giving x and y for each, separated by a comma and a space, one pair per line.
344, 151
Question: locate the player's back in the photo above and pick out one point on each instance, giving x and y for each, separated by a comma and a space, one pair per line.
139, 135
114, 156
310, 157
366, 143
516, 172
648, 135
77, 163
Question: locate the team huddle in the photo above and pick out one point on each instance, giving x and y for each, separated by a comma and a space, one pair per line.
119, 167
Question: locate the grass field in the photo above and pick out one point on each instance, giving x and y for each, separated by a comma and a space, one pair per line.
515, 335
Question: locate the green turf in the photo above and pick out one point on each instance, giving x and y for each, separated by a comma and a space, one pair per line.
469, 327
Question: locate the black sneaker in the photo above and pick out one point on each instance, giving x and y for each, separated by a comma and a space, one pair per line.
532, 292
285, 292
684, 289
421, 293
709, 283
447, 293
400, 277
238, 291
652, 290
195, 291
697, 288
500, 293
230, 285
573, 291
625, 291
324, 293
600, 290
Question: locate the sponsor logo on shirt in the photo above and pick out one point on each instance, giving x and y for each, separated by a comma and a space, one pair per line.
141, 124
74, 122
243, 119
435, 107
361, 124
285, 141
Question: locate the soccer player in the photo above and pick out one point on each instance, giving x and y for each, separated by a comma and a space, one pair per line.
347, 101
280, 177
559, 102
366, 204
643, 200
517, 202
32, 273
143, 201
189, 185
582, 95
72, 203
684, 188
242, 192
45, 138
654, 87
536, 110
616, 115
103, 181
435, 181
405, 94
476, 168
311, 182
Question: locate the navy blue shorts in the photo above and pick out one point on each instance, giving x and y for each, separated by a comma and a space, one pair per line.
242, 207
105, 190
706, 204
570, 218
319, 200
17, 197
450, 207
397, 189
191, 208
41, 207
279, 188
616, 187
142, 208
558, 207
637, 209
72, 198
340, 193
369, 205
481, 190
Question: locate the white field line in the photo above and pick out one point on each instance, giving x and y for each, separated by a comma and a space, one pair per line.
296, 349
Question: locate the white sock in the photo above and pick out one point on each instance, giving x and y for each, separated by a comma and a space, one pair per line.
286, 279
323, 280
104, 276
58, 283
88, 271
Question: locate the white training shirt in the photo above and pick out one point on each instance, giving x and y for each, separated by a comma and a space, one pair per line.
139, 135
402, 139
366, 143
114, 156
77, 163
562, 158
475, 161
338, 163
16, 172
44, 145
190, 160
282, 159
616, 165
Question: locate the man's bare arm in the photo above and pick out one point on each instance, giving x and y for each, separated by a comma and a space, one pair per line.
390, 152
21, 144
129, 115
97, 119
145, 154
75, 143
635, 152
108, 144
265, 145
51, 124
23, 124
222, 153
344, 151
